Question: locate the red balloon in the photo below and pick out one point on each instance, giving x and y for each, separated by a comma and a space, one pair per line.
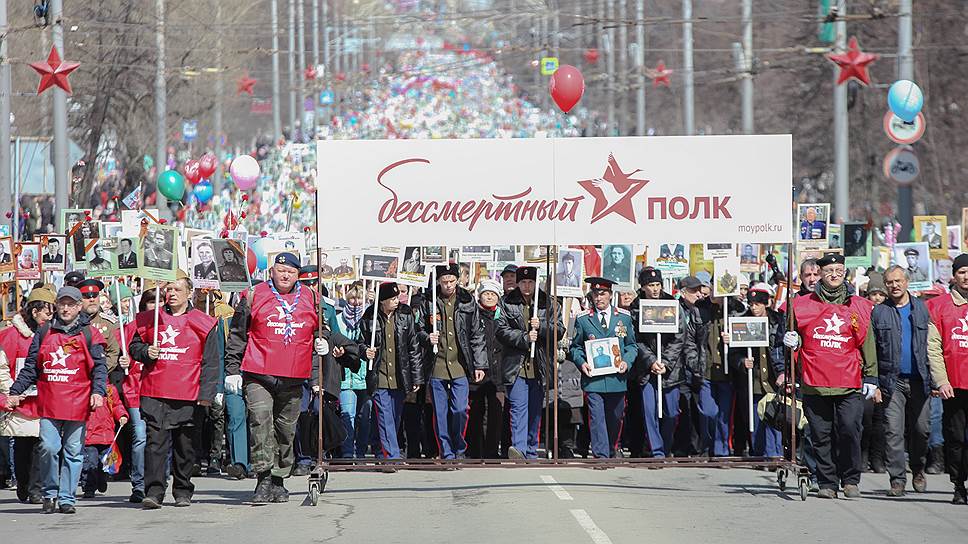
191, 171
567, 87
207, 165
251, 261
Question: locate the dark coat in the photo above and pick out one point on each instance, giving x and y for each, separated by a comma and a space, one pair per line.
775, 356
470, 334
683, 353
512, 332
493, 349
886, 322
409, 352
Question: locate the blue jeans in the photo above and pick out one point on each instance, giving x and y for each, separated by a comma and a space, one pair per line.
660, 433
605, 412
722, 393
936, 438
526, 396
354, 407
139, 436
387, 410
767, 441
61, 458
450, 415
238, 429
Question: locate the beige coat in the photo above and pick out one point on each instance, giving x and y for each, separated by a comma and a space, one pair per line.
14, 423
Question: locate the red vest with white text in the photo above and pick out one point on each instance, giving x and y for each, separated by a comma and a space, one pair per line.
64, 368
832, 336
952, 324
181, 339
265, 352
15, 346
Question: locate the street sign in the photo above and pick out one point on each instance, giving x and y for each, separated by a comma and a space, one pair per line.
549, 65
189, 130
326, 97
902, 165
903, 133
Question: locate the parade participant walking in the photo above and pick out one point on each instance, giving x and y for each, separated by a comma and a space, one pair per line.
66, 363
396, 356
901, 331
460, 355
604, 395
839, 361
98, 437
179, 374
526, 318
105, 324
354, 399
948, 361
269, 354
485, 425
24, 424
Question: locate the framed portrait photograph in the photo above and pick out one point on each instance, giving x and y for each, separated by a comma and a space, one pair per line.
505, 253
233, 271
916, 258
954, 241
618, 264
324, 265
568, 272
110, 229
293, 242
932, 230
856, 245
131, 220
535, 254
833, 233
128, 249
433, 255
699, 265
671, 259
72, 216
716, 251
204, 270
28, 260
748, 332
813, 220
749, 258
475, 254
344, 265
54, 249
413, 271
604, 355
102, 258
943, 271
159, 259
658, 316
380, 266
82, 236
726, 271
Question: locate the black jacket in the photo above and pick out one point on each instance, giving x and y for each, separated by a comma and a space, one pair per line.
886, 322
409, 353
470, 334
492, 348
775, 354
683, 353
512, 332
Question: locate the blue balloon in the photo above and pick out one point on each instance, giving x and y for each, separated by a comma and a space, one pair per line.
203, 191
261, 259
905, 100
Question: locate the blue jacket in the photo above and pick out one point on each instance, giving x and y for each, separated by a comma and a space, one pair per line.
587, 327
886, 322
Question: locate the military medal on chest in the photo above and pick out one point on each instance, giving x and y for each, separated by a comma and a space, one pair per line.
620, 330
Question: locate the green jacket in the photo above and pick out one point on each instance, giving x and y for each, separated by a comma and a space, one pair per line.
587, 327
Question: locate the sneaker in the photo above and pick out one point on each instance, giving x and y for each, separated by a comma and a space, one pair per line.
150, 503
814, 485
214, 468
35, 499
49, 507
279, 492
67, 509
263, 489
300, 469
235, 470
515, 453
961, 496
136, 496
183, 501
852, 492
896, 490
827, 493
919, 482
89, 494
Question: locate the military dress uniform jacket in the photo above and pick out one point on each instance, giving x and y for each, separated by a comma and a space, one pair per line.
588, 327
512, 331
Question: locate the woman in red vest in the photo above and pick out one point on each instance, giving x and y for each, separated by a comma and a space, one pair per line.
838, 357
66, 361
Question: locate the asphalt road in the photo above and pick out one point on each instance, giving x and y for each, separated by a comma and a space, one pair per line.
560, 505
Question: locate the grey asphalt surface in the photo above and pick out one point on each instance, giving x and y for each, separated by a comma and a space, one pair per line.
509, 505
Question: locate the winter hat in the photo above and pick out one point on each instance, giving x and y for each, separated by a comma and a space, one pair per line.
960, 261
489, 285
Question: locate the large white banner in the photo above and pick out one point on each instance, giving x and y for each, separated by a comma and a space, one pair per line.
701, 189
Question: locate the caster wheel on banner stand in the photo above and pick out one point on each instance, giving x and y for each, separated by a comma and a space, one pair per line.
804, 485
781, 476
314, 493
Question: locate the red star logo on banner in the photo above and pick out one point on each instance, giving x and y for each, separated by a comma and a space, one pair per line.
309, 74
660, 75
54, 72
245, 85
613, 191
853, 63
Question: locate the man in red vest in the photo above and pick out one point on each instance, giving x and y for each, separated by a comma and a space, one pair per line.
181, 360
66, 361
948, 363
838, 359
269, 354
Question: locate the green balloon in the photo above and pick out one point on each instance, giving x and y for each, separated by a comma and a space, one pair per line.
171, 184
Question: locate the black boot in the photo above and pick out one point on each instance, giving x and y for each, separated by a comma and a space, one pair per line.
961, 495
279, 493
935, 460
263, 489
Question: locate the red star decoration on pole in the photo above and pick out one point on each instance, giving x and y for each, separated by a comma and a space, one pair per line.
245, 85
54, 72
853, 63
309, 74
660, 75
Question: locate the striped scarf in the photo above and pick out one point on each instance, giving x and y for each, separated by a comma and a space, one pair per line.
287, 332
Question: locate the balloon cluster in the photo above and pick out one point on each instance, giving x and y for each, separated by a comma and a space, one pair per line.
171, 184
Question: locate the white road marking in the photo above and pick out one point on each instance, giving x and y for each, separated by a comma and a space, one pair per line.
598, 535
557, 489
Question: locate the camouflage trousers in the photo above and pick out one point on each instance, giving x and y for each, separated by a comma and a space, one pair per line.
273, 414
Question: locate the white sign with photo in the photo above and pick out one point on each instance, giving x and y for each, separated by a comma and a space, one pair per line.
380, 266
54, 248
748, 332
204, 270
716, 251
726, 271
412, 269
916, 258
672, 259
658, 316
568, 272
604, 355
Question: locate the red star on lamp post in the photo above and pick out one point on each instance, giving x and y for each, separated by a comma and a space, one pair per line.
853, 63
309, 74
245, 85
660, 75
54, 72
